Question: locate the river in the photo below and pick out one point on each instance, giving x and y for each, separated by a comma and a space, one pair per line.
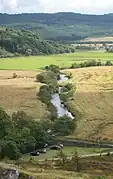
56, 101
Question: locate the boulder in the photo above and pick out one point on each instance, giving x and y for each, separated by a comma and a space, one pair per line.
9, 174
13, 174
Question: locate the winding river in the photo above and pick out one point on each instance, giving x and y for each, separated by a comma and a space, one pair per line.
56, 101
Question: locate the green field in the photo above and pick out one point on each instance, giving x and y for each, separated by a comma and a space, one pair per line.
64, 60
67, 150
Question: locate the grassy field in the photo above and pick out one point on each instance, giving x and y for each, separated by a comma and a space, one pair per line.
94, 100
20, 93
90, 168
99, 39
67, 150
64, 60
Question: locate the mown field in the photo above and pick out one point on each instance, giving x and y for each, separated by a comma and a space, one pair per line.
94, 101
64, 60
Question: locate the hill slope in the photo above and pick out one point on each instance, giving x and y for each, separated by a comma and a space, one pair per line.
94, 100
61, 26
21, 42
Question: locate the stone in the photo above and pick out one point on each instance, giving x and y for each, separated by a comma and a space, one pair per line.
9, 174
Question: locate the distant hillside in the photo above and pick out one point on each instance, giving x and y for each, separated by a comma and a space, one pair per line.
61, 26
21, 42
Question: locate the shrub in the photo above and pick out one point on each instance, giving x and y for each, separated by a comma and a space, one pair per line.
45, 94
10, 150
47, 77
70, 75
53, 68
64, 125
67, 92
14, 75
69, 86
53, 111
108, 63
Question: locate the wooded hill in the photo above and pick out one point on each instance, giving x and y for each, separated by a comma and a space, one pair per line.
21, 42
61, 26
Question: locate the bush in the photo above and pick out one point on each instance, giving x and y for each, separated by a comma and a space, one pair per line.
14, 75
53, 68
69, 86
45, 94
70, 75
108, 63
64, 125
10, 150
47, 77
66, 92
53, 111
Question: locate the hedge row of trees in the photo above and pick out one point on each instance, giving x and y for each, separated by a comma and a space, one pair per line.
91, 63
21, 42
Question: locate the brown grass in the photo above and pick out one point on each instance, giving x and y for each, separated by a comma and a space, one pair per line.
20, 93
94, 100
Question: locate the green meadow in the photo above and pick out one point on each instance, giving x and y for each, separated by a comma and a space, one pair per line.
63, 60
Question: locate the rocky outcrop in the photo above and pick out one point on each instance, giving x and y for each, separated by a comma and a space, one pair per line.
9, 174
13, 174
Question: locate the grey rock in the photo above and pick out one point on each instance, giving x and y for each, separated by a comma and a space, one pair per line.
9, 174
30, 177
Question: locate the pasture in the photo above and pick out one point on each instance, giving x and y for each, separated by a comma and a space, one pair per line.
63, 60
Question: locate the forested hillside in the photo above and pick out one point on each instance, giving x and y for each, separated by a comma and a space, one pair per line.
21, 42
61, 26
